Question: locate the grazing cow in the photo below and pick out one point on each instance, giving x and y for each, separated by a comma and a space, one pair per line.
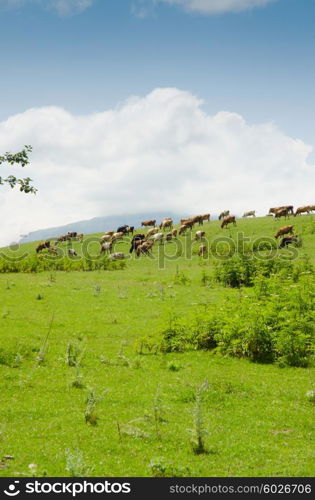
117, 256
149, 222
311, 208
186, 221
226, 213
63, 237
282, 212
53, 250
199, 235
197, 219
276, 209
105, 237
152, 231
174, 233
168, 222
106, 247
144, 247
157, 237
288, 240
80, 236
72, 234
284, 230
72, 252
42, 246
169, 236
228, 220
117, 236
183, 229
302, 210
202, 250
130, 229
251, 213
136, 240
206, 217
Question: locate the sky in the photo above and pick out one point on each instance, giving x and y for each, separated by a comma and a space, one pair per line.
135, 105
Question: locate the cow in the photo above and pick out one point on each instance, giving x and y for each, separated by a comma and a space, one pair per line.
284, 230
80, 236
183, 221
157, 237
282, 212
123, 229
288, 240
197, 219
42, 246
226, 213
72, 252
130, 229
109, 232
144, 247
53, 250
168, 222
118, 236
174, 233
302, 210
136, 240
228, 220
117, 256
182, 229
276, 209
72, 234
202, 250
63, 237
311, 208
199, 235
149, 222
206, 217
169, 236
106, 246
105, 237
251, 213
152, 231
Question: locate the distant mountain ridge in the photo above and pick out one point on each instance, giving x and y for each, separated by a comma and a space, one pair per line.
97, 225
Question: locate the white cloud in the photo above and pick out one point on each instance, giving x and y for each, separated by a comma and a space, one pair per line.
62, 7
217, 6
156, 152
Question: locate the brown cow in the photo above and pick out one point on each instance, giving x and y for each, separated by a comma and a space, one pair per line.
174, 233
202, 250
276, 209
282, 212
206, 217
149, 222
302, 210
166, 223
228, 220
42, 246
284, 230
144, 248
288, 240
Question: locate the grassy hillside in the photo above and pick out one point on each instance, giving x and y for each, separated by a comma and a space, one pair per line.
86, 388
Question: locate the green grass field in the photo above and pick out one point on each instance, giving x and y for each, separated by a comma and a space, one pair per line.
78, 397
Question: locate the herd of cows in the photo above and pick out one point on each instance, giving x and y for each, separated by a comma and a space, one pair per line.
142, 243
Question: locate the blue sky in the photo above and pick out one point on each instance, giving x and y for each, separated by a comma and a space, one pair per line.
225, 101
258, 62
